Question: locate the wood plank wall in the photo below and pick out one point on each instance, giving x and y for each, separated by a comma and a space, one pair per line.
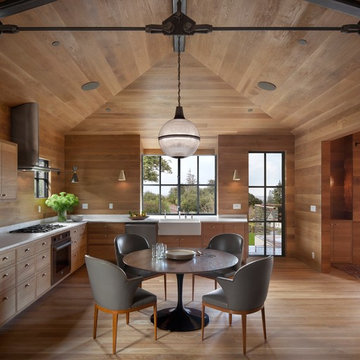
233, 154
99, 159
51, 147
311, 235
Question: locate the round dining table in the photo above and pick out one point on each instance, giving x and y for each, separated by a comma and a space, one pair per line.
181, 318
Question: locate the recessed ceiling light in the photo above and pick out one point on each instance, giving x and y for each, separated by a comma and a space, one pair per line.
92, 85
302, 42
265, 85
55, 43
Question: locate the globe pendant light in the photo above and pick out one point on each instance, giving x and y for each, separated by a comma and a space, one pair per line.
179, 137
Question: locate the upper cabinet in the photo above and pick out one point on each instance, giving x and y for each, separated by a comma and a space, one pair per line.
8, 170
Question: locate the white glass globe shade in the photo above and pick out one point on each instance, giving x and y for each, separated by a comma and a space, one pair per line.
179, 138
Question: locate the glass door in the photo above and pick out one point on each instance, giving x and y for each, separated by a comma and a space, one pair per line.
266, 203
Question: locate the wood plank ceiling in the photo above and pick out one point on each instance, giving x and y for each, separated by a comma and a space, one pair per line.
220, 71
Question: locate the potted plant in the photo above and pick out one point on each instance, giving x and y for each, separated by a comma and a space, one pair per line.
61, 203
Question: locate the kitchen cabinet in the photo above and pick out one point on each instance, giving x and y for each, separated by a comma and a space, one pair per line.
341, 241
8, 170
78, 246
7, 285
101, 236
25, 275
210, 229
32, 271
183, 241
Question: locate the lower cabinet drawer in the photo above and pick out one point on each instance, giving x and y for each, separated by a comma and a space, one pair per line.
7, 278
43, 281
25, 293
42, 260
78, 258
7, 305
25, 269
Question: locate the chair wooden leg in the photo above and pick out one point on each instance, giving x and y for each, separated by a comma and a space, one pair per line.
215, 284
155, 322
165, 289
127, 318
230, 319
202, 321
193, 287
96, 311
115, 322
243, 317
140, 285
263, 321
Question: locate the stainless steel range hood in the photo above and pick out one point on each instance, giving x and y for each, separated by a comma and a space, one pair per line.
25, 132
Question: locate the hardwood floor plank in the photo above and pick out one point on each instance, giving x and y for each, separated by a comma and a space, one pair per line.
309, 316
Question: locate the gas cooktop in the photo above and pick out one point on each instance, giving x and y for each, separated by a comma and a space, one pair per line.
38, 228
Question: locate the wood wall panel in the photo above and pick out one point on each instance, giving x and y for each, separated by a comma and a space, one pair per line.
233, 154
99, 159
312, 174
51, 147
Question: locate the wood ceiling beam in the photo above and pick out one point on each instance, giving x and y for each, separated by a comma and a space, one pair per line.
350, 7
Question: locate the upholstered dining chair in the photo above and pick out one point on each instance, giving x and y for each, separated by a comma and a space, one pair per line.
231, 243
127, 243
114, 293
244, 294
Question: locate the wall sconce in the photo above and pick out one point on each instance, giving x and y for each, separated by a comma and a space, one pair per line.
236, 176
122, 176
74, 178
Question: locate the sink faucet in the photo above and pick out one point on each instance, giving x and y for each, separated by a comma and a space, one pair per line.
164, 214
179, 212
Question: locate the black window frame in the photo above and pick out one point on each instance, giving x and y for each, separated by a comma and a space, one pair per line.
265, 187
41, 182
179, 185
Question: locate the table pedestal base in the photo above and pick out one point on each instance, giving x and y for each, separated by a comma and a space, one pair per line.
183, 319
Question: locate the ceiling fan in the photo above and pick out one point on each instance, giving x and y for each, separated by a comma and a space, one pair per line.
176, 24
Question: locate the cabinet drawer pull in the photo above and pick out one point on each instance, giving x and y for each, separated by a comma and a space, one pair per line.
3, 195
26, 265
27, 249
5, 298
27, 285
43, 275
44, 243
5, 258
44, 257
5, 276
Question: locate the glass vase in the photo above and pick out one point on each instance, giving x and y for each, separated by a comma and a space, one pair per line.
62, 216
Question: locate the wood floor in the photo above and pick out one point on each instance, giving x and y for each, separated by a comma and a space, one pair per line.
309, 316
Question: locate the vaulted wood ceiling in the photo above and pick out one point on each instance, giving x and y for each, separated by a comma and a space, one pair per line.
316, 82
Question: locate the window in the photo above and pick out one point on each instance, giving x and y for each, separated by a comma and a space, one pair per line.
41, 180
188, 184
266, 203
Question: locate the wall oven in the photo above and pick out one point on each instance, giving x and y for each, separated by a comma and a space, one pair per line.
60, 256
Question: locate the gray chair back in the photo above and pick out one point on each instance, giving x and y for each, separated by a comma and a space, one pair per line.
110, 287
249, 287
231, 243
127, 243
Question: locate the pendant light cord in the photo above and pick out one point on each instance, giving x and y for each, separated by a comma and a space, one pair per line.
179, 60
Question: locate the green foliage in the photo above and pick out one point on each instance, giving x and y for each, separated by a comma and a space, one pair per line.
151, 168
62, 201
254, 200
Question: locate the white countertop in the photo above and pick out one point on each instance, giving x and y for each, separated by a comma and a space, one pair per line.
9, 240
